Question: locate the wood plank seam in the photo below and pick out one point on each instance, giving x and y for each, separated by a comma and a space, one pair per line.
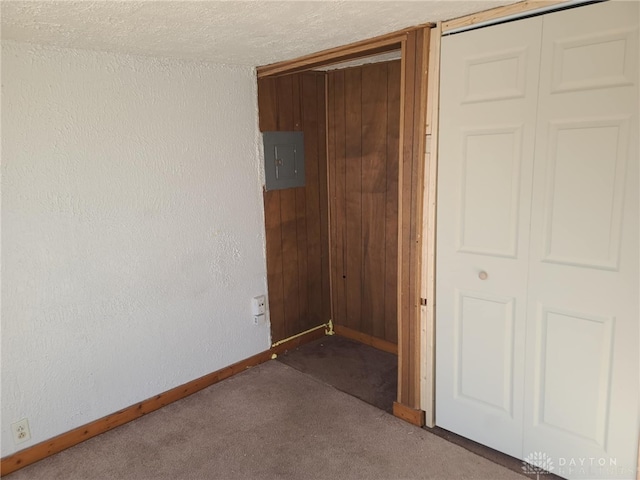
386, 194
322, 104
284, 303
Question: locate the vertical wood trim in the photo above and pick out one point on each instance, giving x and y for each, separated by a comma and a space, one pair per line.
415, 56
331, 190
401, 347
422, 76
340, 196
427, 314
414, 260
323, 188
404, 222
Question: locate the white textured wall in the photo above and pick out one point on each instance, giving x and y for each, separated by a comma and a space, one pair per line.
132, 230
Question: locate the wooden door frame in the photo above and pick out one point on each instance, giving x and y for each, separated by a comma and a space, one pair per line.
428, 272
413, 44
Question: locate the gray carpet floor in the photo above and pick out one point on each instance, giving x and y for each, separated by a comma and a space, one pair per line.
269, 422
372, 376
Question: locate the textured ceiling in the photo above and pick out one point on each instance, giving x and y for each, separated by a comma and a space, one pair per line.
231, 32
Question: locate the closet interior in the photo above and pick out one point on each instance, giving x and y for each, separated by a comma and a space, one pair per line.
332, 245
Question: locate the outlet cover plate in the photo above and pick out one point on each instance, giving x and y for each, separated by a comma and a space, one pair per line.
21, 432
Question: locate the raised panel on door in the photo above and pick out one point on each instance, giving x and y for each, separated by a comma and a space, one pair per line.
581, 382
583, 212
484, 351
490, 191
487, 126
572, 390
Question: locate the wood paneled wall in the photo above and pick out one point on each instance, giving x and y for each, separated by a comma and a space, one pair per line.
363, 150
297, 219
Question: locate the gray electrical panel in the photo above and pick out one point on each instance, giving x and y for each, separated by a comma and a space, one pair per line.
283, 160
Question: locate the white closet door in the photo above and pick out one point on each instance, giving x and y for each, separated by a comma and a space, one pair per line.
582, 373
489, 88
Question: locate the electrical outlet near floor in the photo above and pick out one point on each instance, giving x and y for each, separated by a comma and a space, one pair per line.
21, 432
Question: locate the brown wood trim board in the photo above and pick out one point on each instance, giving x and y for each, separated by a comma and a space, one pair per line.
408, 414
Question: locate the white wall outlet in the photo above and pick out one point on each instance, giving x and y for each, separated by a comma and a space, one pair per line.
258, 305
21, 432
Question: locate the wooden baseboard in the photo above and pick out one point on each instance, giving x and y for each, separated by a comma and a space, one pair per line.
370, 340
78, 435
408, 414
